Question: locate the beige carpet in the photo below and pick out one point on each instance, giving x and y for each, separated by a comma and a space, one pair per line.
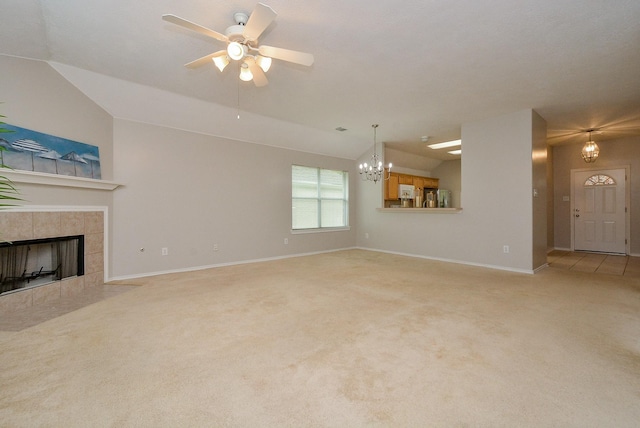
345, 339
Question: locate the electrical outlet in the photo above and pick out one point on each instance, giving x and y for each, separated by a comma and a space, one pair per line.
505, 249
286, 241
165, 251
215, 247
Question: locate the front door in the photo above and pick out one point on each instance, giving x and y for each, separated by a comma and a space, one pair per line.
599, 211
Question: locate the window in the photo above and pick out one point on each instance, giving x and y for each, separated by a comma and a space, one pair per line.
599, 180
319, 198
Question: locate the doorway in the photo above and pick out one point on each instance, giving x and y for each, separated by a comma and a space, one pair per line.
599, 212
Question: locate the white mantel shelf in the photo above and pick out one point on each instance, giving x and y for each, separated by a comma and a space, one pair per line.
31, 177
421, 210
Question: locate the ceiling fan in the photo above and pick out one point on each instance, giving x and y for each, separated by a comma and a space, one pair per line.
242, 45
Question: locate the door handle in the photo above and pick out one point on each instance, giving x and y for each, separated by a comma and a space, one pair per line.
577, 215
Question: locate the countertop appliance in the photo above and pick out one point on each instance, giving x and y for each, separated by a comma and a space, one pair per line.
406, 191
444, 198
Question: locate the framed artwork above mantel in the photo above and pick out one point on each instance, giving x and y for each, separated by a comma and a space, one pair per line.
27, 150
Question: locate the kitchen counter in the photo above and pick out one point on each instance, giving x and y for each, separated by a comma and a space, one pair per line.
421, 210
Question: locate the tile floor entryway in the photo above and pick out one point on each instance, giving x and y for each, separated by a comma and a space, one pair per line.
596, 263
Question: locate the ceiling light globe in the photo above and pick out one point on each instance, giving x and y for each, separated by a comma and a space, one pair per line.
236, 51
590, 152
245, 73
264, 62
221, 62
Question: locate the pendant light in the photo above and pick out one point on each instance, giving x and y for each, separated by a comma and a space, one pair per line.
375, 171
590, 151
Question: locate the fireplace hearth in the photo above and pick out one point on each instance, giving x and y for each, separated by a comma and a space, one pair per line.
34, 262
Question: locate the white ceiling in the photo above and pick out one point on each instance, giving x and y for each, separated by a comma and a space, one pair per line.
417, 67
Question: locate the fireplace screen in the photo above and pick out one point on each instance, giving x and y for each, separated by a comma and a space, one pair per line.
25, 264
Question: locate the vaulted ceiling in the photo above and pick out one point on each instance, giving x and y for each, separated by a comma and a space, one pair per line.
417, 68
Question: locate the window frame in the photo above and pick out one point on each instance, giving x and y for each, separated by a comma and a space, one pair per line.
319, 198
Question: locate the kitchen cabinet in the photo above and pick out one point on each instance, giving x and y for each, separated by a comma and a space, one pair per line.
391, 185
418, 182
405, 179
430, 183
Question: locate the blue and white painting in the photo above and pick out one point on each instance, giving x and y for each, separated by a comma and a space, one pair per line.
28, 150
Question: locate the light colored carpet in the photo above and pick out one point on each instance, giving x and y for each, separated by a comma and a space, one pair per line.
345, 339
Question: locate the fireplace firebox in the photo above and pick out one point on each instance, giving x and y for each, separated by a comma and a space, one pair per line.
34, 262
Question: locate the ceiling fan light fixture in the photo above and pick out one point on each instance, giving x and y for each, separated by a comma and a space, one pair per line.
241, 44
264, 62
236, 51
221, 62
245, 74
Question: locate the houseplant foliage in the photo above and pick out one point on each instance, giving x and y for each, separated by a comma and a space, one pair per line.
8, 191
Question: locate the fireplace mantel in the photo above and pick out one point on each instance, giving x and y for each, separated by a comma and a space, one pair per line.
30, 177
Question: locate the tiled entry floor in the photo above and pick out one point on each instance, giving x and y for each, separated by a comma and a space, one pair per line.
597, 263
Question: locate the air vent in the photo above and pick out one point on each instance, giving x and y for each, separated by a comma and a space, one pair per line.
341, 129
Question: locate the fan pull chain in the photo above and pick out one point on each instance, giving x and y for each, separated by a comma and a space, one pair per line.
238, 99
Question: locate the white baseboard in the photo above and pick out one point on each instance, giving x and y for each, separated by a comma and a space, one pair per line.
504, 268
240, 262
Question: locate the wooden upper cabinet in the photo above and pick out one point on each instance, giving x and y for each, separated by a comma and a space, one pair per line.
431, 183
418, 182
391, 185
405, 179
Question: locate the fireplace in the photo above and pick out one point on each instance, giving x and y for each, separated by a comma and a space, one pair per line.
46, 224
34, 262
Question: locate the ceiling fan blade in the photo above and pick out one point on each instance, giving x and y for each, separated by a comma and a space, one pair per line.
194, 27
286, 55
204, 60
259, 77
261, 17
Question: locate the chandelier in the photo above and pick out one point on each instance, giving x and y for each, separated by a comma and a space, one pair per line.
590, 151
374, 171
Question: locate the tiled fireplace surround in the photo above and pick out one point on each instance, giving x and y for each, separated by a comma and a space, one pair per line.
15, 226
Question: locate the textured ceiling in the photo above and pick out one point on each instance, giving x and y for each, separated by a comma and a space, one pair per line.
417, 68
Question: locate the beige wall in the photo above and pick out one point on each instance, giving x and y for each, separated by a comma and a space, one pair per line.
613, 154
35, 96
539, 190
550, 201
182, 190
187, 192
450, 175
497, 178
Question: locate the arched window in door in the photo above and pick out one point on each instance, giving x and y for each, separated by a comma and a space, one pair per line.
600, 180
